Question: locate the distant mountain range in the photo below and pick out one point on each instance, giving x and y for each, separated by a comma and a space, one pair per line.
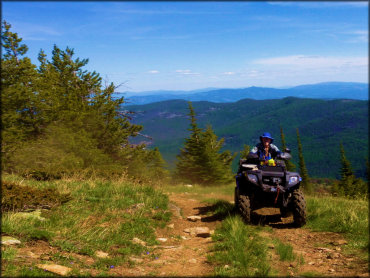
328, 90
323, 124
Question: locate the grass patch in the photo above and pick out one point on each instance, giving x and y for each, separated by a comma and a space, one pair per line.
341, 215
101, 215
285, 251
238, 250
196, 189
16, 270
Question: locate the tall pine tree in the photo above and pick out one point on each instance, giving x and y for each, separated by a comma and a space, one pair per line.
306, 184
349, 185
289, 164
61, 108
19, 112
187, 166
200, 160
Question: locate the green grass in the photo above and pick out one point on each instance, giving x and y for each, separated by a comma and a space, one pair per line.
101, 215
199, 190
285, 251
240, 248
341, 215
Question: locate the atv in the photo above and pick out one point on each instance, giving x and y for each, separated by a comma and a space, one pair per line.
259, 186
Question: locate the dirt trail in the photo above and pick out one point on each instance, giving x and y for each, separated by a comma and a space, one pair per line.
186, 255
321, 251
182, 254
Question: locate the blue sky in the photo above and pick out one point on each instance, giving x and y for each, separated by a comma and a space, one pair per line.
192, 45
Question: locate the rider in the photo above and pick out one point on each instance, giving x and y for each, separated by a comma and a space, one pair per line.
266, 151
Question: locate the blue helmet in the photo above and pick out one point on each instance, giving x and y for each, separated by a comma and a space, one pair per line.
266, 135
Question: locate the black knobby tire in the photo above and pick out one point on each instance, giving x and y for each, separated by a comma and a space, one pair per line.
299, 208
245, 208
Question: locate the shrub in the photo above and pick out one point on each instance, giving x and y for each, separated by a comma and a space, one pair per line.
61, 151
16, 197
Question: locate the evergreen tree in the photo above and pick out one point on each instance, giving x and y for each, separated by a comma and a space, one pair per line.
306, 184
187, 166
289, 164
349, 185
157, 165
346, 169
20, 115
244, 153
215, 166
59, 96
200, 160
75, 97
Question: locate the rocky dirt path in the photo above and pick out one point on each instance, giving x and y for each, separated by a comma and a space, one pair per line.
185, 254
322, 252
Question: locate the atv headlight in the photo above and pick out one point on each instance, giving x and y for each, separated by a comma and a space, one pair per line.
293, 180
253, 178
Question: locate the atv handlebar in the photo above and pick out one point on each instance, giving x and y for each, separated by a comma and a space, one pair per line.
282, 155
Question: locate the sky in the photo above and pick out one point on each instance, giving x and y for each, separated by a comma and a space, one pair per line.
146, 46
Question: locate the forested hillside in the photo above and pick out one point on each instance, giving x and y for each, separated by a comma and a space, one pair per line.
326, 90
322, 125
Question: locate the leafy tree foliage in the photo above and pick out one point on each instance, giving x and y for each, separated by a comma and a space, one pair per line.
59, 117
200, 160
289, 164
306, 184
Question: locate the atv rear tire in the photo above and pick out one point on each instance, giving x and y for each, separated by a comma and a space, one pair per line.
298, 205
245, 208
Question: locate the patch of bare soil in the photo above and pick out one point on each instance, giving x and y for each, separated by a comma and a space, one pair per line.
322, 252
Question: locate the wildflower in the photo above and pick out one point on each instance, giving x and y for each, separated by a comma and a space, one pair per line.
112, 266
147, 253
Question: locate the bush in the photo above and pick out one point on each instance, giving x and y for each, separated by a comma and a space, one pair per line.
16, 197
61, 151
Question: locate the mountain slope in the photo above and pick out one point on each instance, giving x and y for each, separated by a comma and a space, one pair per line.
322, 125
328, 90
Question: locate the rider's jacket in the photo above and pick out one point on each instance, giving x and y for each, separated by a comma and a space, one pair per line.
260, 151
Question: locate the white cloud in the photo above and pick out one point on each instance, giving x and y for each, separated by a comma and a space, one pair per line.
153, 71
34, 32
228, 73
306, 61
358, 36
186, 72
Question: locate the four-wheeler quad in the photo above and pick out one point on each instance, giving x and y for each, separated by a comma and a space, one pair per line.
259, 186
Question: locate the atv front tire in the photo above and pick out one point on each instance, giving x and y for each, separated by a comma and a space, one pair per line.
298, 205
245, 208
